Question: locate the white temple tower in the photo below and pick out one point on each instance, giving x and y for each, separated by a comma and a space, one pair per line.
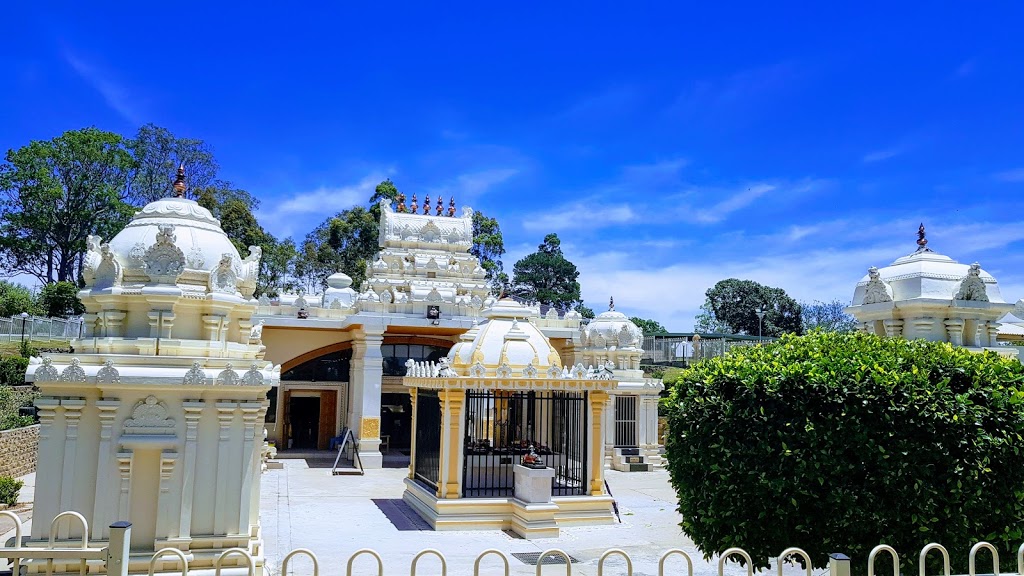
157, 416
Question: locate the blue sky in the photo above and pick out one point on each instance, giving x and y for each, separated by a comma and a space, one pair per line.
670, 145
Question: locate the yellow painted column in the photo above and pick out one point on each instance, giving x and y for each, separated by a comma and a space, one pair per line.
451, 443
598, 398
412, 440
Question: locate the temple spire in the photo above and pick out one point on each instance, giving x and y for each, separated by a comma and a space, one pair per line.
922, 242
451, 207
179, 182
611, 303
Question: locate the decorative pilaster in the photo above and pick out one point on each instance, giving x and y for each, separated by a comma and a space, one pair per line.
924, 328
225, 416
993, 332
954, 331
106, 481
244, 330
72, 414
893, 328
193, 411
48, 466
450, 480
866, 327
165, 515
609, 431
250, 461
598, 398
367, 368
112, 322
124, 468
214, 325
257, 475
160, 323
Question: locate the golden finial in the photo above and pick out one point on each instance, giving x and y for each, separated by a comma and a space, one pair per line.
179, 182
401, 202
440, 205
426, 204
414, 206
611, 303
922, 242
451, 207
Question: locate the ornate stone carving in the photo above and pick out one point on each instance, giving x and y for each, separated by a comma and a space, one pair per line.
248, 271
386, 297
444, 370
475, 301
108, 272
108, 374
530, 371
93, 256
47, 372
137, 255
196, 376
972, 287
477, 370
579, 372
74, 372
253, 377
369, 427
336, 304
263, 300
256, 333
228, 376
222, 277
876, 290
434, 296
300, 302
503, 371
554, 373
149, 417
164, 261
430, 233
195, 259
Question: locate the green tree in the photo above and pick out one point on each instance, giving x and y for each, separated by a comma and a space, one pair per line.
844, 441
15, 299
734, 303
60, 299
386, 190
827, 316
488, 246
585, 311
705, 322
58, 192
648, 326
158, 153
346, 242
547, 277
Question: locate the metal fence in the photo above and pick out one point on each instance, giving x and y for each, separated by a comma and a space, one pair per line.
15, 328
428, 438
685, 350
113, 558
502, 426
625, 421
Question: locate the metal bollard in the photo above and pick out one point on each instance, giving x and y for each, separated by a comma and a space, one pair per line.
838, 564
117, 550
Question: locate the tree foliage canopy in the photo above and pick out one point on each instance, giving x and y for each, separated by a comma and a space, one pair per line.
158, 153
488, 246
547, 277
648, 326
839, 442
827, 316
346, 242
15, 299
60, 299
55, 194
733, 304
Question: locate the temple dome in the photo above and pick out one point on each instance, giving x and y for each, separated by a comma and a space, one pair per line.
197, 234
926, 275
611, 329
508, 337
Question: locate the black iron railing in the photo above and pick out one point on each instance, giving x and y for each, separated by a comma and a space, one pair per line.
428, 438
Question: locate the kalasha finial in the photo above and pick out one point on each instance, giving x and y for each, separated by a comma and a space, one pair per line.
414, 206
179, 182
440, 205
922, 242
401, 202
451, 207
426, 204
611, 302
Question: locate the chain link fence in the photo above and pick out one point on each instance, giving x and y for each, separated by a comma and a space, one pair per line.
15, 328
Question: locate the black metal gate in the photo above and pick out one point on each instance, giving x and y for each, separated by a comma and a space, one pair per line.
502, 425
428, 438
625, 422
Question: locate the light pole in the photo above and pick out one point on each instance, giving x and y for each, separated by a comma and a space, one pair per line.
24, 319
760, 317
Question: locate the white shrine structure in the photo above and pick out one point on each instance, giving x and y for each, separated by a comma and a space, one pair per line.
157, 416
343, 353
931, 296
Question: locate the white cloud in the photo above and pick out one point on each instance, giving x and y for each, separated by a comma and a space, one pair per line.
1015, 175
115, 95
302, 211
879, 155
578, 215
737, 201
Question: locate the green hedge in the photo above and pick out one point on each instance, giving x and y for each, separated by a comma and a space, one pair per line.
9, 489
10, 401
12, 370
839, 442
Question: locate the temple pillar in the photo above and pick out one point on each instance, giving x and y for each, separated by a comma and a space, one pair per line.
412, 440
449, 483
193, 411
993, 332
72, 415
225, 472
106, 480
367, 372
250, 414
954, 331
598, 398
609, 431
48, 475
893, 328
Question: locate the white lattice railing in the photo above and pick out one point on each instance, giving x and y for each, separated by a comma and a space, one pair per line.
115, 554
39, 328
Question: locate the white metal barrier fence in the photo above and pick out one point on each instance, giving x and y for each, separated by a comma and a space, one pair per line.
15, 328
115, 555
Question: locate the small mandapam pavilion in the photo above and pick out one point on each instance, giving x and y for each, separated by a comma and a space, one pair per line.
501, 393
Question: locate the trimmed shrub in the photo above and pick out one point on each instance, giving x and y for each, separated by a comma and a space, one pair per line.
9, 489
839, 442
12, 371
10, 401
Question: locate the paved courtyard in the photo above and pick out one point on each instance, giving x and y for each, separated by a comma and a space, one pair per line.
334, 516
